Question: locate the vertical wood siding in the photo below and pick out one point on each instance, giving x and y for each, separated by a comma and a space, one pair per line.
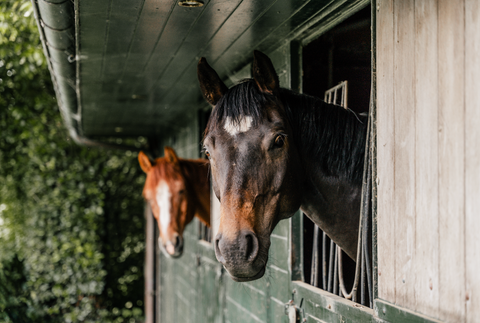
385, 152
472, 158
451, 142
428, 150
404, 147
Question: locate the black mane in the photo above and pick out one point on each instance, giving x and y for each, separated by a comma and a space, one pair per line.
325, 132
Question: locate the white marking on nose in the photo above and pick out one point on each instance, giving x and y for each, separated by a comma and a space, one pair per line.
163, 201
243, 125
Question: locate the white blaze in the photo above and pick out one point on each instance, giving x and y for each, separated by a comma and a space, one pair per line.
163, 202
242, 126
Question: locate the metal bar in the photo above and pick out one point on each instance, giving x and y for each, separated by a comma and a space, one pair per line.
369, 275
346, 94
335, 272
362, 278
314, 265
324, 260
330, 266
353, 293
342, 98
365, 233
343, 87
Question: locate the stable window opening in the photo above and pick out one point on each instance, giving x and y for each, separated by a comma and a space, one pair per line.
337, 67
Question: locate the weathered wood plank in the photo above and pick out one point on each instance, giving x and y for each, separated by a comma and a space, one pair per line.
404, 136
388, 312
167, 300
122, 20
426, 154
385, 151
472, 158
149, 270
451, 103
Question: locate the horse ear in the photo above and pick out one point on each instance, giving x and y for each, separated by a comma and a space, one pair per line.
144, 161
210, 83
264, 73
170, 155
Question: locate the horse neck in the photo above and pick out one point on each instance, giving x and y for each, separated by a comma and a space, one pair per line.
196, 174
331, 145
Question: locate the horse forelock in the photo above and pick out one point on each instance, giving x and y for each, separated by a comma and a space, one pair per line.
242, 104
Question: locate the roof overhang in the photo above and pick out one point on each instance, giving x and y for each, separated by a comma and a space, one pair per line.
128, 67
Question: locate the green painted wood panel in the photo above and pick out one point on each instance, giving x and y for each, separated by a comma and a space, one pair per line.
209, 300
277, 312
279, 285
326, 306
247, 298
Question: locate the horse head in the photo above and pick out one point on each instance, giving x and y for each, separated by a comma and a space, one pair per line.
168, 194
254, 163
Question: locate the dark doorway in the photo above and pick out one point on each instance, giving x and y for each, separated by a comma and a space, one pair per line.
342, 53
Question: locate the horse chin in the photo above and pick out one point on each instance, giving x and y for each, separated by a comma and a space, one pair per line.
247, 279
176, 254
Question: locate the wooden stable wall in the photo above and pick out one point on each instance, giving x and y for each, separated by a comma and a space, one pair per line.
428, 144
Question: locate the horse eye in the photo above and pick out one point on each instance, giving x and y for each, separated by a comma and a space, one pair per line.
279, 141
181, 192
207, 153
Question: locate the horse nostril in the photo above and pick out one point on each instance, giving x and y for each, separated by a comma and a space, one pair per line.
178, 241
251, 245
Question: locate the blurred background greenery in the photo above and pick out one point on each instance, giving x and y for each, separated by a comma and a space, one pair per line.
71, 217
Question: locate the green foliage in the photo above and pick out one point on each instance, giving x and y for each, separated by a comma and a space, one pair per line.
71, 218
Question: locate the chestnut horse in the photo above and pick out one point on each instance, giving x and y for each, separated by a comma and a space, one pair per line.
273, 151
177, 190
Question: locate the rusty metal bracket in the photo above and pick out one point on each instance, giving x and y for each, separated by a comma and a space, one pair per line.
292, 312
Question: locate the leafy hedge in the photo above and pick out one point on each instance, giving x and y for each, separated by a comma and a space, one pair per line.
71, 218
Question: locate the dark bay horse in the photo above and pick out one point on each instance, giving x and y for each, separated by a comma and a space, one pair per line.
273, 151
177, 190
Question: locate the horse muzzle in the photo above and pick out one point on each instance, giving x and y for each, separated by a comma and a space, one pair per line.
240, 256
172, 247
